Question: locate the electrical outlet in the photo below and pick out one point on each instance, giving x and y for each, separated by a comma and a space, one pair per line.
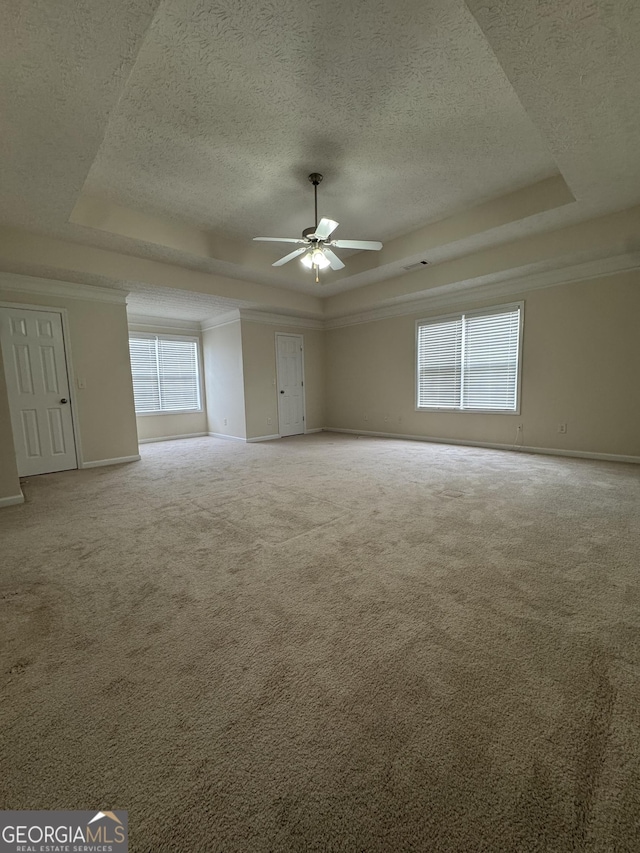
225, 421
520, 427
366, 417
562, 428
269, 421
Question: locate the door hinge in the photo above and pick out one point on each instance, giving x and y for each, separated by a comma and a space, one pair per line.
303, 417
302, 383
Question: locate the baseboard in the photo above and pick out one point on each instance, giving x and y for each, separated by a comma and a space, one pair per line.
98, 463
545, 451
12, 500
227, 437
309, 431
256, 438
171, 437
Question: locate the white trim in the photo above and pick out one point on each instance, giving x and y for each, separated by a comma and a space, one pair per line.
545, 451
12, 500
119, 460
143, 322
263, 438
160, 412
52, 287
228, 437
494, 285
221, 320
151, 336
171, 437
317, 429
464, 293
270, 319
265, 317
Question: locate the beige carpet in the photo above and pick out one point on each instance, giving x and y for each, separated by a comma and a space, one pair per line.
328, 643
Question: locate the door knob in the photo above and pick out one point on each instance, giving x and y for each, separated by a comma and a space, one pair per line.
64, 400
282, 392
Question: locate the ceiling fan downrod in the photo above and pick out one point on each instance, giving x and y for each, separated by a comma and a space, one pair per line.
315, 178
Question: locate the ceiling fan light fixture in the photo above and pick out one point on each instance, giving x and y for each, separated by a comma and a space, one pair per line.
315, 258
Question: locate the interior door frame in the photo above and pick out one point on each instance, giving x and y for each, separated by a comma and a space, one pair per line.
304, 384
66, 340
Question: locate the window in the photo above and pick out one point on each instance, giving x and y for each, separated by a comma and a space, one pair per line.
165, 374
470, 362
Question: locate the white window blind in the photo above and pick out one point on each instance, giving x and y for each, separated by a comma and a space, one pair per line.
165, 374
470, 362
439, 363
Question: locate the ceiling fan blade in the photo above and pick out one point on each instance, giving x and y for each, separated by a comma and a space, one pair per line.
279, 239
289, 257
357, 244
334, 260
325, 227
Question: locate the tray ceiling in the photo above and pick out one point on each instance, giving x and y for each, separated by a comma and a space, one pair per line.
401, 105
152, 135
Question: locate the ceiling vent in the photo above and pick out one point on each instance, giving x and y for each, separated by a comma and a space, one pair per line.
416, 265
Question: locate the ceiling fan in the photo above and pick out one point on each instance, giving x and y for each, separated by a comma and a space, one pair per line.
316, 247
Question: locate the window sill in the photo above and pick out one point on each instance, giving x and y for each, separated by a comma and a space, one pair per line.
468, 411
169, 412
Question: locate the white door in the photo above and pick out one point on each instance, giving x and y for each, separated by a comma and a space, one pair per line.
290, 384
38, 390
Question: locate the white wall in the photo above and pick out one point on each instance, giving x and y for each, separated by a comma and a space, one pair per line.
98, 351
581, 361
224, 380
261, 393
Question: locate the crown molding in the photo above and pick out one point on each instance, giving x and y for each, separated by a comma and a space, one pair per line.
264, 317
147, 322
270, 319
461, 294
16, 283
221, 320
458, 294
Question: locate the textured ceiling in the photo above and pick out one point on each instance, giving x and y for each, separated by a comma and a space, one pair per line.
576, 69
400, 103
178, 304
209, 115
62, 69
